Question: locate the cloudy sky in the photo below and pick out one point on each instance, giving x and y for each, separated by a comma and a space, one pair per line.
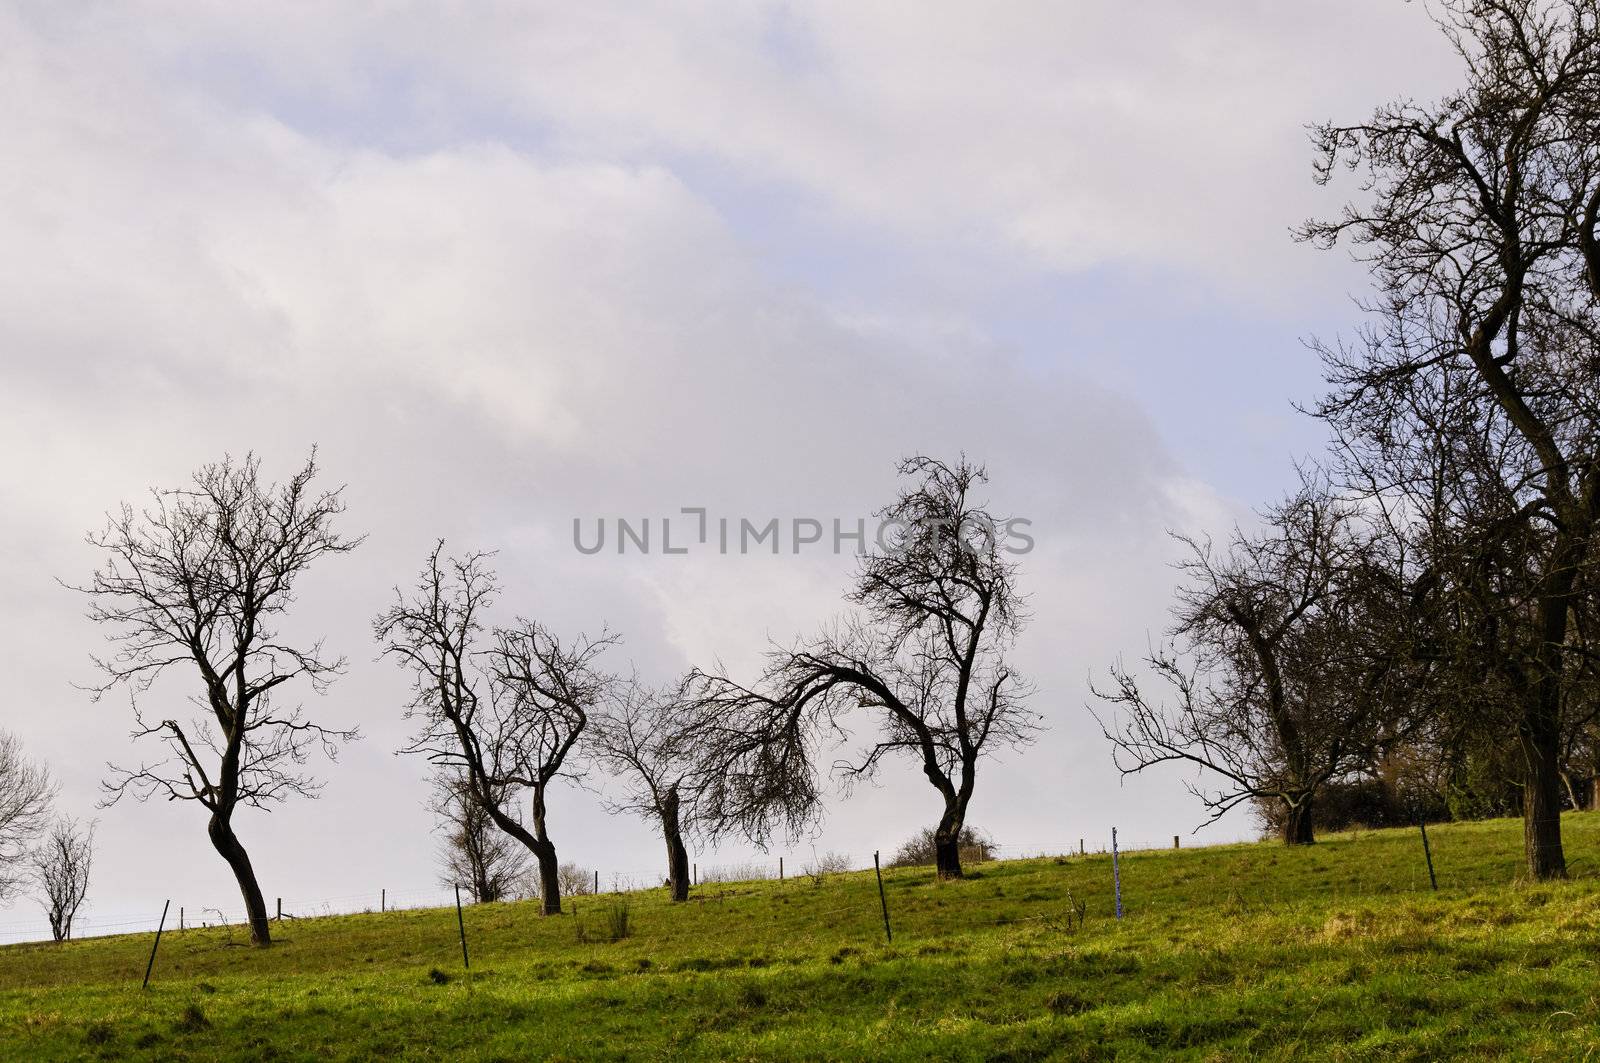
519, 264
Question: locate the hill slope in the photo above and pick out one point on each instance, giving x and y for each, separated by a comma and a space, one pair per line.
1248, 951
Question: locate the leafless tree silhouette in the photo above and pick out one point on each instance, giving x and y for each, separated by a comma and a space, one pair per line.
61, 865
197, 581
474, 850
547, 690
507, 715
1478, 219
1282, 667
924, 654
25, 794
646, 737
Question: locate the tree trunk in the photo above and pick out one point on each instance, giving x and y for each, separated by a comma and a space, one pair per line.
1539, 732
1541, 799
677, 855
545, 850
549, 879
542, 848
947, 845
947, 856
255, 906
1297, 825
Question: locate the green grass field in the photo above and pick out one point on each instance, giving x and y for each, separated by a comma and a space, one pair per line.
1339, 951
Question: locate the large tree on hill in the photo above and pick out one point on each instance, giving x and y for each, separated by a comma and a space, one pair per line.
923, 657
503, 707
197, 582
1478, 220
1285, 667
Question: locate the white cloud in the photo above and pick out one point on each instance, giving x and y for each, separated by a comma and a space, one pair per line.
472, 260
1166, 136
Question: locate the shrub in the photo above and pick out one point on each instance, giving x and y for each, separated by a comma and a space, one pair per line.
749, 871
575, 881
192, 1020
1343, 805
820, 867
975, 847
614, 923
615, 917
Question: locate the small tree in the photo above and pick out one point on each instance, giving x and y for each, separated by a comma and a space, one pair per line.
25, 794
647, 737
473, 850
61, 866
198, 581
925, 654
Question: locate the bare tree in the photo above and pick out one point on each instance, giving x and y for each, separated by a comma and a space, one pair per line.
508, 716
646, 737
548, 690
26, 791
1282, 665
198, 581
921, 849
924, 655
61, 865
1479, 222
474, 850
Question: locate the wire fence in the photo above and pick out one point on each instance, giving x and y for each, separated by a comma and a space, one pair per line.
183, 915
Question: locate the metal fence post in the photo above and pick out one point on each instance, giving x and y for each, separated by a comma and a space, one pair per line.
883, 898
155, 944
1116, 872
1427, 852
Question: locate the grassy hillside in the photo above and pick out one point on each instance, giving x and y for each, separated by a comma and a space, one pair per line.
1248, 951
